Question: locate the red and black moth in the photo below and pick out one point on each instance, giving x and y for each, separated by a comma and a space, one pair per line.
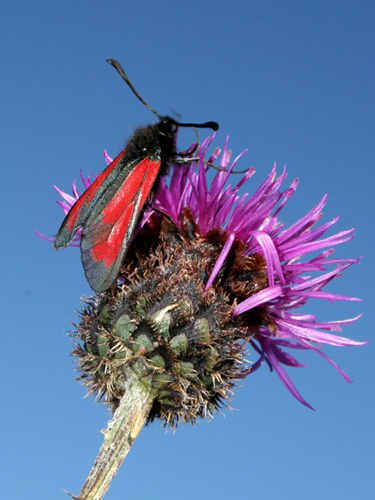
109, 210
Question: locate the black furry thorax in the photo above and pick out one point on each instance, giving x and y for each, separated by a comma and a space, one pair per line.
157, 140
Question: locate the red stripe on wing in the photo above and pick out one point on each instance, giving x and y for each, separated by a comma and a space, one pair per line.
108, 249
88, 195
111, 232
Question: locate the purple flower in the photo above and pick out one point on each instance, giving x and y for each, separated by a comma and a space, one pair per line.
287, 252
295, 272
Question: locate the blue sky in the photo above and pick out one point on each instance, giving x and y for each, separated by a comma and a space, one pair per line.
293, 81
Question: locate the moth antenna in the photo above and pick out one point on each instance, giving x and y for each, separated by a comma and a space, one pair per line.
213, 125
125, 77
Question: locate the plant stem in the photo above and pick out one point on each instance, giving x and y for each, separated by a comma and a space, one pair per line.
119, 436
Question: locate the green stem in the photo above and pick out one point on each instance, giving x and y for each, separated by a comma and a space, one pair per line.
119, 436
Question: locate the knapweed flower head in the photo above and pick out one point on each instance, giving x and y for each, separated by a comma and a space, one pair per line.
212, 278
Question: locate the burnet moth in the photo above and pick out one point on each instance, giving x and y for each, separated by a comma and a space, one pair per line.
109, 210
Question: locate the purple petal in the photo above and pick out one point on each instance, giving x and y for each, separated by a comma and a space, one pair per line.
258, 299
220, 260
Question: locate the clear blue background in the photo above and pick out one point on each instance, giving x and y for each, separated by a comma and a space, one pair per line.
291, 80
